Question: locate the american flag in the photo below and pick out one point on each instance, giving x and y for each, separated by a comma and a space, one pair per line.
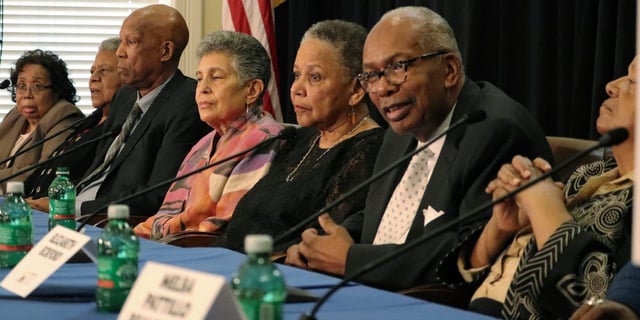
255, 17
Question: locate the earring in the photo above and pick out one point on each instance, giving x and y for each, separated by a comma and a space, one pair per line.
354, 118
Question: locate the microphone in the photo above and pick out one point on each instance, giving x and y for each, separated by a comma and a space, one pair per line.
468, 118
5, 84
90, 121
81, 124
110, 133
612, 137
285, 134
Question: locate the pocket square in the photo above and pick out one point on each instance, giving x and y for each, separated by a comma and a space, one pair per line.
431, 214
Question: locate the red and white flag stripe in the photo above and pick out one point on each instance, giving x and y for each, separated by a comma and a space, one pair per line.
255, 17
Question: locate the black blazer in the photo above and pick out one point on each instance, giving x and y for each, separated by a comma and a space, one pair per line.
155, 149
471, 157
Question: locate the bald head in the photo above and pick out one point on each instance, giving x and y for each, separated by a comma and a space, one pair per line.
165, 22
152, 40
428, 28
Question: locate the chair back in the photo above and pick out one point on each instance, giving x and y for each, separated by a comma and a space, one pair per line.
563, 148
191, 238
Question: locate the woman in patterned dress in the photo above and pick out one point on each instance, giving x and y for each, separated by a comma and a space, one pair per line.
579, 235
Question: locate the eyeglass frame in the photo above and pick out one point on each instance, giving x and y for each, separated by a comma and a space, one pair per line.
404, 64
23, 88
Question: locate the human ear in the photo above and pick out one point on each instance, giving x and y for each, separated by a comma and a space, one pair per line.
167, 51
454, 69
357, 93
254, 88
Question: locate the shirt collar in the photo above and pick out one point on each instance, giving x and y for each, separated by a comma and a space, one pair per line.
436, 146
145, 102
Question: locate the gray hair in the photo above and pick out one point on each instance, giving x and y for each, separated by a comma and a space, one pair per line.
110, 44
346, 37
435, 31
249, 57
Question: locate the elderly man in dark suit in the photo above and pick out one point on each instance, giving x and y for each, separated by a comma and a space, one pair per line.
414, 75
156, 110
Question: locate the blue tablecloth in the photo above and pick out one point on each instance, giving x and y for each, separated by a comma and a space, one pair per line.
69, 293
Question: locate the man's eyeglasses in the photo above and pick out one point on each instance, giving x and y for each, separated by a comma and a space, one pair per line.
395, 73
22, 88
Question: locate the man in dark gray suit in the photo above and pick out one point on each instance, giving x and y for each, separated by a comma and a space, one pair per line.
164, 120
414, 75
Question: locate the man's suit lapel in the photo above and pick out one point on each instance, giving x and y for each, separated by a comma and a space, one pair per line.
439, 182
143, 125
381, 191
120, 107
137, 134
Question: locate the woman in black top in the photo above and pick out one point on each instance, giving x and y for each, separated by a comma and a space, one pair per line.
335, 150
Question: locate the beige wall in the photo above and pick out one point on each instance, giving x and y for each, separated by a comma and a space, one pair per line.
212, 16
203, 17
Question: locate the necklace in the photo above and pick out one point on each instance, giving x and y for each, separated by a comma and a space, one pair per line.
293, 172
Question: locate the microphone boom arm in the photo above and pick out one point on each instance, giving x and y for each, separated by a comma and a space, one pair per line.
20, 152
613, 137
466, 118
72, 149
39, 143
284, 134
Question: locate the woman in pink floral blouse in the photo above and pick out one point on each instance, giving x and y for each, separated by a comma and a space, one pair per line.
233, 73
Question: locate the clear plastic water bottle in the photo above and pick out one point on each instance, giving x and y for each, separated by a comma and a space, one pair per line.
62, 200
118, 249
258, 284
16, 229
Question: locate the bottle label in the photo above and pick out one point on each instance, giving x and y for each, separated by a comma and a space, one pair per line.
114, 273
59, 221
269, 311
15, 237
254, 309
64, 217
62, 207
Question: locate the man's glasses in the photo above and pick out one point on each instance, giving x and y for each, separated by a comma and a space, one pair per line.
36, 88
395, 73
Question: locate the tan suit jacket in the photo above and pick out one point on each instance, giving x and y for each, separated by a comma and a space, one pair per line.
60, 117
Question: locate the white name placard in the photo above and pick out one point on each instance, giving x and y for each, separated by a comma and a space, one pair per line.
47, 256
169, 292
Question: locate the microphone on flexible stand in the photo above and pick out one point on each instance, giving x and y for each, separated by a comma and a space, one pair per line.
612, 137
5, 84
110, 133
90, 121
468, 118
286, 133
81, 124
